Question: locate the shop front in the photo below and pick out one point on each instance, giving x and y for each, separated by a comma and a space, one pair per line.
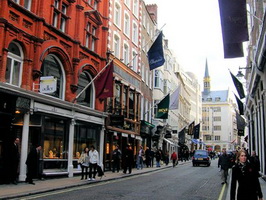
62, 129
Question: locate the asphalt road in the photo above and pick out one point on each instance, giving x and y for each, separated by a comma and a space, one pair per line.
183, 182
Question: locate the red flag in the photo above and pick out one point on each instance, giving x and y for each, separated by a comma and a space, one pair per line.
104, 83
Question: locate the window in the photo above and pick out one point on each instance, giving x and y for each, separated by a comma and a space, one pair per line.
158, 81
27, 4
208, 137
126, 54
117, 15
86, 98
14, 64
125, 96
127, 24
217, 119
135, 8
217, 128
91, 32
117, 46
85, 135
117, 95
135, 33
60, 15
127, 2
135, 61
217, 138
52, 66
131, 104
95, 5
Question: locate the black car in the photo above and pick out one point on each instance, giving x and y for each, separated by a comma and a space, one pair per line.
201, 157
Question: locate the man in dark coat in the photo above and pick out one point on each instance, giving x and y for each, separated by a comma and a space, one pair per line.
128, 159
116, 158
14, 157
255, 161
148, 157
224, 163
32, 163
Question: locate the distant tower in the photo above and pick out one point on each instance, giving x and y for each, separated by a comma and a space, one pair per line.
207, 80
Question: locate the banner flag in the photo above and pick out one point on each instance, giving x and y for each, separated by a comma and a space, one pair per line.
174, 99
233, 16
191, 128
163, 108
196, 131
239, 86
181, 136
155, 53
240, 105
104, 83
240, 124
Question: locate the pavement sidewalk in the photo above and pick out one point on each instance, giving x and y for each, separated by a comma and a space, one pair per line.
10, 191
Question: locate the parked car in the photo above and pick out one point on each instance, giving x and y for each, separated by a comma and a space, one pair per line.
201, 157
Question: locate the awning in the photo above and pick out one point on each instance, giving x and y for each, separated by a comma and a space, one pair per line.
195, 141
170, 142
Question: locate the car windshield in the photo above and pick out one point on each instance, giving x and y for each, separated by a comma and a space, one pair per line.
202, 153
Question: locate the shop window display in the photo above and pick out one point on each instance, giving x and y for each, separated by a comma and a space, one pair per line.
55, 144
85, 136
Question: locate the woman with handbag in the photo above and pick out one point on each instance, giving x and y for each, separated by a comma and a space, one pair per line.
84, 162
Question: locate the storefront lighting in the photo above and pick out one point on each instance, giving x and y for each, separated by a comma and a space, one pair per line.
17, 112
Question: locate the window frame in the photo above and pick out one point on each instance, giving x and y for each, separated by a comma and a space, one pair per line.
16, 58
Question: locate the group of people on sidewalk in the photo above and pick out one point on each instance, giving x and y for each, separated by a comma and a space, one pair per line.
89, 159
245, 172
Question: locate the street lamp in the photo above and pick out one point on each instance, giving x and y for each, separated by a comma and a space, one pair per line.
239, 73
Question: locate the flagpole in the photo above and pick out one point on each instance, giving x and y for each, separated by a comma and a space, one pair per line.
92, 81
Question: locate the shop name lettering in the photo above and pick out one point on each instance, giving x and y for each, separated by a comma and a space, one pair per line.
163, 110
48, 88
153, 61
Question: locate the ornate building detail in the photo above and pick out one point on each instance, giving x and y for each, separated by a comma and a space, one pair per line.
48, 36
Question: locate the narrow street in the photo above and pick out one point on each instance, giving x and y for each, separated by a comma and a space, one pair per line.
183, 183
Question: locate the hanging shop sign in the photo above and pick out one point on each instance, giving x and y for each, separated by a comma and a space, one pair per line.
47, 84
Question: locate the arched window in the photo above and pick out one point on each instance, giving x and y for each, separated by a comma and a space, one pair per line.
87, 97
53, 67
14, 64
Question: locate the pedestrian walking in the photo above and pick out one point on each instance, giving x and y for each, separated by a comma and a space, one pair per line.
116, 156
83, 161
158, 157
32, 163
140, 158
148, 157
128, 158
174, 159
14, 158
166, 159
246, 175
224, 163
93, 163
255, 161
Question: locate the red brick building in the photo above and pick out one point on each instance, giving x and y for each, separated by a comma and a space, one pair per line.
49, 51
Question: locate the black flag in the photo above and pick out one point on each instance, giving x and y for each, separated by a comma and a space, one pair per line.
240, 124
181, 136
191, 128
196, 131
239, 86
240, 105
155, 54
233, 15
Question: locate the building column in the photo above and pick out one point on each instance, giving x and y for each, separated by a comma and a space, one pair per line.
24, 147
70, 147
101, 145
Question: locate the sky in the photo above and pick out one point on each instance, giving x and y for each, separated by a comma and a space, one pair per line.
193, 30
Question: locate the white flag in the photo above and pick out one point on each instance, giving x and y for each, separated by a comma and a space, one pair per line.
174, 99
